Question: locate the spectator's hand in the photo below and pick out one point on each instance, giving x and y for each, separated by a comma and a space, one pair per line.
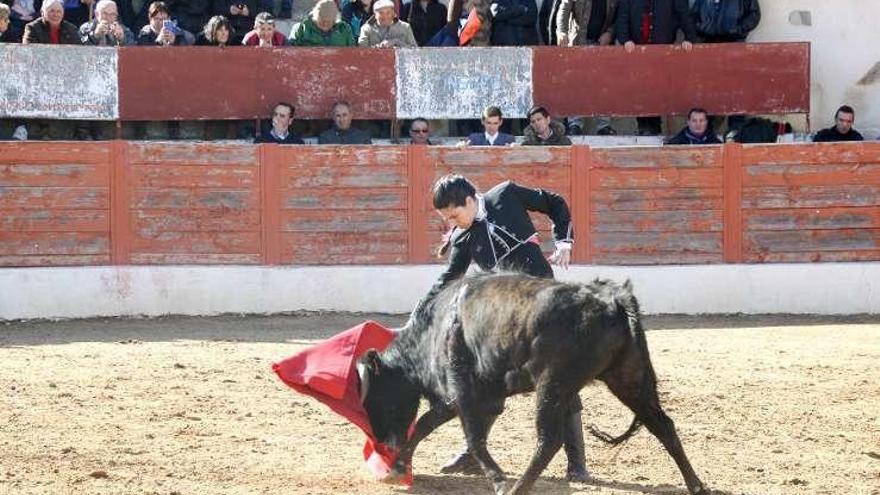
116, 31
384, 44
629, 46
687, 45
562, 258
245, 11
102, 29
165, 37
562, 39
606, 39
463, 143
265, 43
234, 10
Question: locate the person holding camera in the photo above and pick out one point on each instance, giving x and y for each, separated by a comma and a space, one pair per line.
105, 29
241, 14
161, 30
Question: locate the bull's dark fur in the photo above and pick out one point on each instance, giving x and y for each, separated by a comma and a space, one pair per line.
487, 337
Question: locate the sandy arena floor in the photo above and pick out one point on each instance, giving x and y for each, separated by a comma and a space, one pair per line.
190, 406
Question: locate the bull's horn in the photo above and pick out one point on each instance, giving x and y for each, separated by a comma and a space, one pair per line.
364, 375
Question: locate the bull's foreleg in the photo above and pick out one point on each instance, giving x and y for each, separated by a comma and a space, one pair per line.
476, 425
552, 410
427, 423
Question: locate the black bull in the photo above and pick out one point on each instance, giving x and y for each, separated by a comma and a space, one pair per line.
485, 338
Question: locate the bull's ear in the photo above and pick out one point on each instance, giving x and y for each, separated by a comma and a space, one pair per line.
628, 286
373, 361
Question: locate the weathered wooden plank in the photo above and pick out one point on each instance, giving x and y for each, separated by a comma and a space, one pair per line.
812, 218
344, 176
659, 258
313, 246
439, 83
151, 222
657, 178
810, 196
812, 240
294, 157
161, 176
81, 85
350, 259
343, 220
657, 199
659, 221
47, 152
653, 242
819, 153
54, 243
55, 260
73, 174
336, 198
812, 175
54, 197
54, 220
675, 157
225, 199
194, 259
556, 179
196, 243
489, 156
813, 256
198, 153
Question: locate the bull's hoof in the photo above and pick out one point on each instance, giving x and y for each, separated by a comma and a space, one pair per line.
500, 487
578, 474
463, 463
394, 477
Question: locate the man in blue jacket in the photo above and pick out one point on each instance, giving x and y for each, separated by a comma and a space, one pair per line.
491, 135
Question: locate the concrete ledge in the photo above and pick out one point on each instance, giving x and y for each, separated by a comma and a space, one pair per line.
80, 292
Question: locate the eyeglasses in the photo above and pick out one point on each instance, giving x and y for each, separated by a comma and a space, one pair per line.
419, 131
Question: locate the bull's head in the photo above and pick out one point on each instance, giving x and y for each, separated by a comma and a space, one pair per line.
391, 401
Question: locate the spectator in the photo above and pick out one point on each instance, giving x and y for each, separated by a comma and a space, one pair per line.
264, 33
192, 14
162, 30
21, 12
342, 132
241, 14
322, 27
586, 23
356, 13
217, 32
385, 30
282, 117
420, 132
78, 12
697, 130
514, 23
491, 136
459, 13
725, 21
51, 28
425, 17
105, 29
843, 130
542, 131
5, 32
653, 22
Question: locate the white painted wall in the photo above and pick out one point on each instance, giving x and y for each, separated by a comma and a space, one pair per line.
845, 45
26, 293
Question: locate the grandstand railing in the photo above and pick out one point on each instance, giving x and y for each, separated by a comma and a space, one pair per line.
101, 203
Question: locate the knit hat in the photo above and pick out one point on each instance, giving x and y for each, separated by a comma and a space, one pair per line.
383, 4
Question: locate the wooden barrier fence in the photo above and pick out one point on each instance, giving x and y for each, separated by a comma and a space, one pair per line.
91, 203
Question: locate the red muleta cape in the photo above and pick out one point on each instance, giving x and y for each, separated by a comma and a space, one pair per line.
327, 372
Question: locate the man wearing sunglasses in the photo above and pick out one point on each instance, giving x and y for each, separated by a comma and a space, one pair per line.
419, 132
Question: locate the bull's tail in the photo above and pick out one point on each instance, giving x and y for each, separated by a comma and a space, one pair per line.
628, 306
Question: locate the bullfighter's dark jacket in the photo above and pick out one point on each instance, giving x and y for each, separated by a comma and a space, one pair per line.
503, 236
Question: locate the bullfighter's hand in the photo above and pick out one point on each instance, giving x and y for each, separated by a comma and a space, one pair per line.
562, 258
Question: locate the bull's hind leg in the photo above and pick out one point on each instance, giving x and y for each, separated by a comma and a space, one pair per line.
638, 391
553, 406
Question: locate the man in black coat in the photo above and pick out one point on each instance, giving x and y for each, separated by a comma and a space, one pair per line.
697, 131
844, 119
425, 17
725, 21
279, 133
494, 230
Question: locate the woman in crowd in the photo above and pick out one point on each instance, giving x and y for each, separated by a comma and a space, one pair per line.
161, 30
217, 32
264, 33
322, 27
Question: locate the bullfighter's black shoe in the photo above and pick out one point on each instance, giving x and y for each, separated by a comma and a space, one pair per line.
575, 450
462, 463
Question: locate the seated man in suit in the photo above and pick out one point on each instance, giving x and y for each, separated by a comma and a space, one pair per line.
282, 117
492, 120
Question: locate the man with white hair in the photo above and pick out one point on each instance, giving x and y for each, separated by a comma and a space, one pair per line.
385, 30
51, 28
105, 29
